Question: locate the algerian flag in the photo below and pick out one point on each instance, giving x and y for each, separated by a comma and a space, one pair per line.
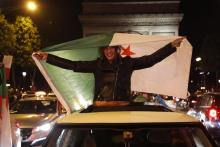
5, 126
7, 61
76, 90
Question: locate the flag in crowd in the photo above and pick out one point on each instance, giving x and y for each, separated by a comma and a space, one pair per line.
7, 61
5, 127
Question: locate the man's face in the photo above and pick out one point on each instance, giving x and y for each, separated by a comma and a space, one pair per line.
110, 53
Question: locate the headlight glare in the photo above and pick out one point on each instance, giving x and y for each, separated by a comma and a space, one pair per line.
44, 127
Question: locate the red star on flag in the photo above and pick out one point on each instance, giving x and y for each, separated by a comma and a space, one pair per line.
127, 51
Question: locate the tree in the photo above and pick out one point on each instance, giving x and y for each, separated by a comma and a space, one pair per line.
7, 37
19, 39
27, 40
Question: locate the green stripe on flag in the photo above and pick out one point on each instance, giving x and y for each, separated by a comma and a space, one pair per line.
90, 42
77, 89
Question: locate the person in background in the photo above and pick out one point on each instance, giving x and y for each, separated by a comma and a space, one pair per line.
159, 99
112, 72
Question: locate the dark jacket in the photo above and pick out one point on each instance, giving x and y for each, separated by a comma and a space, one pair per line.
117, 76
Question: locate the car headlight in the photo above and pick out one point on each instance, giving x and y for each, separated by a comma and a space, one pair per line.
44, 127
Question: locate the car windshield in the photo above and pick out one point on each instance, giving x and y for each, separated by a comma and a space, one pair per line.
34, 106
128, 137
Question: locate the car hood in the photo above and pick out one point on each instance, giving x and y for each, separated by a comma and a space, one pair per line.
31, 120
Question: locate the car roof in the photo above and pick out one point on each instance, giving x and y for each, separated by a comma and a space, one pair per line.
212, 93
126, 117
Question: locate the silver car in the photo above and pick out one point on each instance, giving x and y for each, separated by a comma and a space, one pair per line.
34, 115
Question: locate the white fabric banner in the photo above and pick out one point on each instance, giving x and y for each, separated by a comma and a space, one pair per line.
5, 130
7, 61
168, 77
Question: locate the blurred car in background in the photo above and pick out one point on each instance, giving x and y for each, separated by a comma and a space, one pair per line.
35, 114
128, 126
207, 110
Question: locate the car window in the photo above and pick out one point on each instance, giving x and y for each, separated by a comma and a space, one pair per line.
114, 137
210, 101
217, 100
46, 107
25, 107
35, 106
204, 100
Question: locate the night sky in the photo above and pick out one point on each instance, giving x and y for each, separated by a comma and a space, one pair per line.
59, 21
56, 20
200, 24
201, 20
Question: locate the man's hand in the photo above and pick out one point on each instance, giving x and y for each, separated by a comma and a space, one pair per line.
177, 42
40, 55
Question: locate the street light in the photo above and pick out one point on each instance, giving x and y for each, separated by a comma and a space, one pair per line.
24, 74
31, 5
198, 59
201, 72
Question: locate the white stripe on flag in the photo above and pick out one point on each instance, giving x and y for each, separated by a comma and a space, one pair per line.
7, 61
53, 87
170, 76
6, 140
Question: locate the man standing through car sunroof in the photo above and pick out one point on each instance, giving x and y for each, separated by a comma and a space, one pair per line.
112, 72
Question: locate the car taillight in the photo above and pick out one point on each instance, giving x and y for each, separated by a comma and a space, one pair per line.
193, 101
213, 113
